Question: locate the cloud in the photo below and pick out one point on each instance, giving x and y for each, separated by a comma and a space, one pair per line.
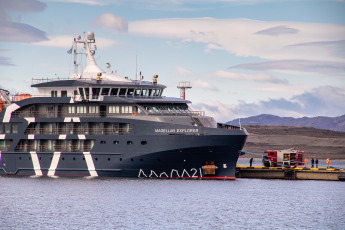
245, 37
257, 77
5, 61
65, 41
87, 2
20, 32
204, 85
278, 30
183, 71
311, 66
322, 101
111, 21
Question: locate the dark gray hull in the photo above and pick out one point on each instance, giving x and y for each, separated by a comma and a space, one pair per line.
150, 149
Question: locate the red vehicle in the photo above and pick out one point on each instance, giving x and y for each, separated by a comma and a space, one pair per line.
286, 157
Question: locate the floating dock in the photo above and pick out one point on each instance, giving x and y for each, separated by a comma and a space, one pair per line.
262, 172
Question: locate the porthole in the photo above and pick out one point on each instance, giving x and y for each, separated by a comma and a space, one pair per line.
96, 159
20, 158
141, 159
63, 158
129, 142
103, 142
132, 159
120, 159
144, 142
74, 158
40, 158
30, 158
83, 158
116, 142
108, 159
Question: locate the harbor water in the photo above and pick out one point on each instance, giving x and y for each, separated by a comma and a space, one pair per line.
111, 203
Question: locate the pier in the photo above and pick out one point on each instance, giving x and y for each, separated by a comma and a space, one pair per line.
289, 173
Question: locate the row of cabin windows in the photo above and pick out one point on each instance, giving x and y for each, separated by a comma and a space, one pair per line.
7, 128
95, 109
96, 92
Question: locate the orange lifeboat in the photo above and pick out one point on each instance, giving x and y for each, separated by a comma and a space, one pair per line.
22, 96
1, 104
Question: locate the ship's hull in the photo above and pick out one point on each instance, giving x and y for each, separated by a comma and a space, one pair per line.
144, 148
167, 162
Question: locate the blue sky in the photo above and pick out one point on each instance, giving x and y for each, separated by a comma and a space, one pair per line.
243, 58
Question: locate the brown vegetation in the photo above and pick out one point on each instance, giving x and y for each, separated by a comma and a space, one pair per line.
319, 143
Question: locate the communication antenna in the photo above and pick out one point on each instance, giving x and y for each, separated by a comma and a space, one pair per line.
183, 86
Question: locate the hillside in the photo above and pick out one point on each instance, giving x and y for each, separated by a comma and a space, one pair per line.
331, 123
318, 143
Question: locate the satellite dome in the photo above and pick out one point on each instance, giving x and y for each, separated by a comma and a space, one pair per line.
90, 36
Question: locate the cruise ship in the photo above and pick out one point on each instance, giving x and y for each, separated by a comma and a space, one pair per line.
96, 123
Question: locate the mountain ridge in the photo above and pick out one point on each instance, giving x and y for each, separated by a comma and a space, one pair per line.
319, 122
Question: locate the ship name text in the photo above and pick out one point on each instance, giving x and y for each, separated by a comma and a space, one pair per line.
176, 130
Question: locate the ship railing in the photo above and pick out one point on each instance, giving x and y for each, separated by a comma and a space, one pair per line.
78, 131
43, 80
63, 114
225, 126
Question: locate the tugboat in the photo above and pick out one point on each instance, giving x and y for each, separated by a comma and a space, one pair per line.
96, 123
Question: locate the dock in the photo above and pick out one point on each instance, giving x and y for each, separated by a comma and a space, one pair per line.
290, 173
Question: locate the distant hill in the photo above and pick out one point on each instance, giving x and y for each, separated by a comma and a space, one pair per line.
319, 143
330, 123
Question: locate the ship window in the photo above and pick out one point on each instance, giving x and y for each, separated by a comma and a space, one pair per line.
71, 109
137, 92
53, 93
143, 92
122, 91
114, 91
105, 91
75, 92
103, 142
130, 92
95, 93
144, 142
154, 92
158, 92
93, 109
63, 93
129, 142
81, 109
114, 109
81, 91
126, 109
7, 127
14, 128
116, 142
150, 93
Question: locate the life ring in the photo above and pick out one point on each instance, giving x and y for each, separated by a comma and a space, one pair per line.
134, 113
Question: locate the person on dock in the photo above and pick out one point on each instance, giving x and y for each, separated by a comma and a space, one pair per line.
312, 162
327, 162
305, 162
317, 163
251, 161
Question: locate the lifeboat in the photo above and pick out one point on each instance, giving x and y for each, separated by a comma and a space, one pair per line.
21, 96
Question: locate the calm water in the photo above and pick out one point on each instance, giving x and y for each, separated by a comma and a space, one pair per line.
109, 203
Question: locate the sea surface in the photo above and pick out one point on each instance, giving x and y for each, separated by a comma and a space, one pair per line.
111, 203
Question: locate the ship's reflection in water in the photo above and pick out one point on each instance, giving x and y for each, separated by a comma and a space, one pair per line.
110, 203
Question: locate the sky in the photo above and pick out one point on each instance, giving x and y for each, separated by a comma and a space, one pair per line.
242, 57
